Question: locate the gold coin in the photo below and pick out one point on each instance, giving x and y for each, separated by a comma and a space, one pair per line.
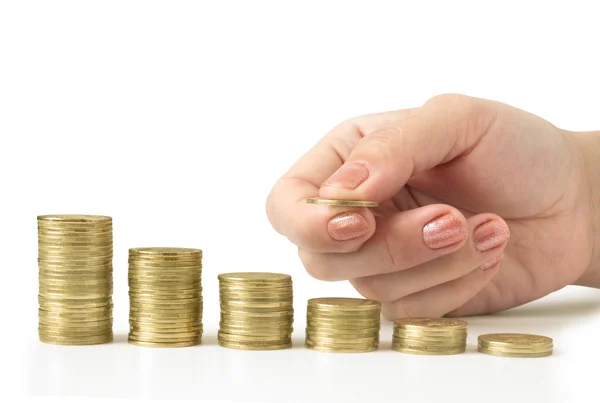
255, 277
429, 341
337, 340
74, 218
190, 343
165, 251
426, 345
437, 334
165, 323
326, 349
243, 346
175, 316
165, 277
157, 335
258, 293
342, 203
74, 341
512, 340
174, 328
195, 337
516, 354
253, 338
75, 267
344, 334
408, 350
431, 324
244, 304
344, 304
256, 321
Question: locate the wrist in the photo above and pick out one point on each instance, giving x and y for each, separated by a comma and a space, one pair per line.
588, 147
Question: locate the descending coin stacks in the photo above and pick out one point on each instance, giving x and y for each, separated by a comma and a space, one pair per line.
515, 345
75, 279
256, 311
346, 325
165, 297
431, 336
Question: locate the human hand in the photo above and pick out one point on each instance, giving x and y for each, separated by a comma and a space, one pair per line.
483, 207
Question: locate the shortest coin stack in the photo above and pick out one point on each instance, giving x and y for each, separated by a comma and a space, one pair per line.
430, 336
515, 345
165, 294
343, 325
256, 311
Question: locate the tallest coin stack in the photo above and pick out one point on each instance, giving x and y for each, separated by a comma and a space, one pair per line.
75, 279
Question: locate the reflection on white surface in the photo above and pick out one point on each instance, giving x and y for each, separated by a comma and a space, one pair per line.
572, 318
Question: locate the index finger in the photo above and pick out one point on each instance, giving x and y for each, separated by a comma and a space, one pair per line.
322, 228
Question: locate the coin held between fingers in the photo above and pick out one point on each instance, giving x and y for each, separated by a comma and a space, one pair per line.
342, 203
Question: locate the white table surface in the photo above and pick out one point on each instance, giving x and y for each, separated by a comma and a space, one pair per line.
571, 317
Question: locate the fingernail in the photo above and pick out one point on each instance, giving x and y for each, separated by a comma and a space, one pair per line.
347, 226
348, 176
490, 234
491, 263
444, 231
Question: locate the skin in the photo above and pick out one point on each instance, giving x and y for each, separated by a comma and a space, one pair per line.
476, 159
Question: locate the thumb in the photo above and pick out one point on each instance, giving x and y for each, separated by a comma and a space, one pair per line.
383, 161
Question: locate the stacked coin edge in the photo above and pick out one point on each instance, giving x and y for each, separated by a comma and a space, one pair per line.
334, 325
256, 311
430, 336
75, 255
165, 294
515, 345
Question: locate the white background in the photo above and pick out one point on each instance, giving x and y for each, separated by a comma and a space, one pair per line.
177, 117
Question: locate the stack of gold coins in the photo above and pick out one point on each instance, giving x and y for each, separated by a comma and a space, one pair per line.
431, 336
75, 279
165, 297
344, 325
257, 311
515, 345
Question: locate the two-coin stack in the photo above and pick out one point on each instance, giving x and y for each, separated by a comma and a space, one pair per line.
75, 279
346, 325
515, 345
165, 297
256, 311
432, 336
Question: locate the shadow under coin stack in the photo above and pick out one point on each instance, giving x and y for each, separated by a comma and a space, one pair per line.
165, 297
430, 336
515, 345
343, 325
75, 255
256, 311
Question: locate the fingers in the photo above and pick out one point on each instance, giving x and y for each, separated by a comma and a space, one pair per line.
402, 240
382, 162
443, 298
488, 239
320, 228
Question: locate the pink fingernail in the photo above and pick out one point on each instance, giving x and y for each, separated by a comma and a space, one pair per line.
492, 263
347, 226
348, 176
490, 234
444, 231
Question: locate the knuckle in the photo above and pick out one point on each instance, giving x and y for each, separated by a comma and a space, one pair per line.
453, 101
375, 287
315, 266
460, 108
364, 285
400, 309
384, 143
391, 255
